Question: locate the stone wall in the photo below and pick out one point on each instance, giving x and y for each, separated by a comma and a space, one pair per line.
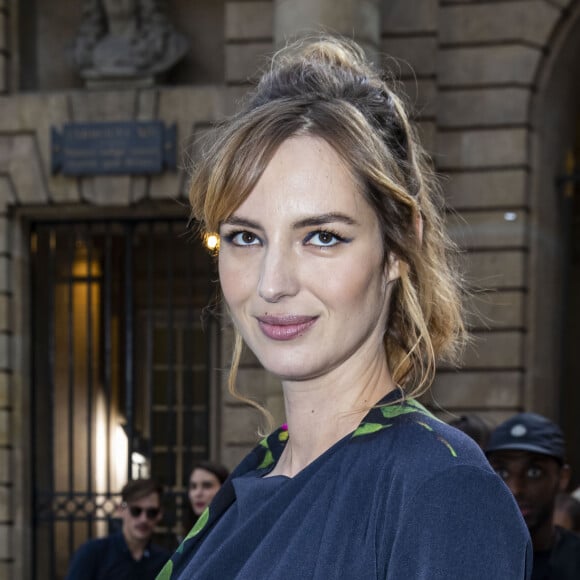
488, 60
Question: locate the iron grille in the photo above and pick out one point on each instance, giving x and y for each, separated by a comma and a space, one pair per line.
121, 374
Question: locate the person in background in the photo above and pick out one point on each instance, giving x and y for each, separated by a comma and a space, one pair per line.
205, 480
528, 452
474, 426
128, 554
567, 512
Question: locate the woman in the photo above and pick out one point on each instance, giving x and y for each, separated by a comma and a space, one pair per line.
335, 269
205, 480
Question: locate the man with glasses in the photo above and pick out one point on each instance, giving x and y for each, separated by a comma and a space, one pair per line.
128, 554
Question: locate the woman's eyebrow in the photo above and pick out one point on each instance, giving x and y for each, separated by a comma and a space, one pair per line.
317, 220
243, 222
323, 219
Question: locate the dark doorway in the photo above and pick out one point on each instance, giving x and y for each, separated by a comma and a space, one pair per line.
569, 191
121, 374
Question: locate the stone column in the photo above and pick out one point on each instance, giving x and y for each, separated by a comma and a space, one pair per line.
358, 19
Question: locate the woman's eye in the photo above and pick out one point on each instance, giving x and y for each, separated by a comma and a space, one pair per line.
243, 239
324, 239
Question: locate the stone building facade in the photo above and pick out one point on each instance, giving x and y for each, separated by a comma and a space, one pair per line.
495, 85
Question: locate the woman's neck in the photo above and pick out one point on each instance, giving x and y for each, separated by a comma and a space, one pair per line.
321, 411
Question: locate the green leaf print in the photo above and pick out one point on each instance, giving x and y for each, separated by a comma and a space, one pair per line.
199, 525
166, 571
368, 428
267, 461
422, 409
391, 411
409, 406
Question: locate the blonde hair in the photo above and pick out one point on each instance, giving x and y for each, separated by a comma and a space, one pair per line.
324, 87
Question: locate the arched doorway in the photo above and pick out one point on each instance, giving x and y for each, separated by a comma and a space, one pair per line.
553, 353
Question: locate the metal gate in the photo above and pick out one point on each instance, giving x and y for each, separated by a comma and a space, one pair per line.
121, 381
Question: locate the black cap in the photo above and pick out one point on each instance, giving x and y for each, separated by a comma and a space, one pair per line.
528, 432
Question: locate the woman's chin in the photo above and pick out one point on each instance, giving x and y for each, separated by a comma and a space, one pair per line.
291, 371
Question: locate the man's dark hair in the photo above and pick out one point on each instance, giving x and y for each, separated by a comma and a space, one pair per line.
138, 488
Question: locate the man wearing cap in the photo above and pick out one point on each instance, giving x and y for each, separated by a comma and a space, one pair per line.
529, 453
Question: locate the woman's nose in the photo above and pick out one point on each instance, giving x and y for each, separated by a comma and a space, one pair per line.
278, 275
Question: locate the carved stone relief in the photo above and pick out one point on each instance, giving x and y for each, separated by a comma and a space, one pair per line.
126, 40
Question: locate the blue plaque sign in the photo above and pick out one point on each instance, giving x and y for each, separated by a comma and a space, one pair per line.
132, 147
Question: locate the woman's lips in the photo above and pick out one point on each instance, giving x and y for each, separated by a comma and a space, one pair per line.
285, 327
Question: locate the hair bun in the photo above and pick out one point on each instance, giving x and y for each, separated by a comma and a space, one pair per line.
332, 51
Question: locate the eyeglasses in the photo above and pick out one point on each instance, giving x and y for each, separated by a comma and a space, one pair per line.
136, 511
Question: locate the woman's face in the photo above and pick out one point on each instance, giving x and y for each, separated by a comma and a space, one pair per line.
203, 485
302, 265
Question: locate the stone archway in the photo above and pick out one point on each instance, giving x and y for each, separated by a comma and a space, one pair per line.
554, 118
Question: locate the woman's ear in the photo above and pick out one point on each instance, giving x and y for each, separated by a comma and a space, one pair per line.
392, 268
